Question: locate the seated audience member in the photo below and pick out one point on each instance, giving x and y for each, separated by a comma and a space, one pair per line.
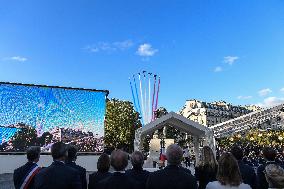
118, 179
24, 175
58, 175
72, 156
269, 155
103, 166
247, 172
137, 172
274, 176
172, 176
207, 167
228, 174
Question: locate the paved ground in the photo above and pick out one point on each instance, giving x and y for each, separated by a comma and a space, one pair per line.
6, 181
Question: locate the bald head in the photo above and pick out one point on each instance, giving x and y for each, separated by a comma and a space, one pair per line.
119, 160
174, 154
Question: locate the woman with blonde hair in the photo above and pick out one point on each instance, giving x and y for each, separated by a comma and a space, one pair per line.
206, 169
228, 174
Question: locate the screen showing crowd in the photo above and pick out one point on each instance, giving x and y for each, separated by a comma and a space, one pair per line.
42, 115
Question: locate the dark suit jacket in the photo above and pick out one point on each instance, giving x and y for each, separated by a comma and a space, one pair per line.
205, 175
186, 170
58, 176
96, 177
262, 183
139, 176
118, 181
82, 172
22, 172
171, 177
248, 174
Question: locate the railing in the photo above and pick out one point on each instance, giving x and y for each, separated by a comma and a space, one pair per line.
249, 121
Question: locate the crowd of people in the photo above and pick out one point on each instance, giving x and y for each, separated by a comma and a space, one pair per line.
229, 172
253, 153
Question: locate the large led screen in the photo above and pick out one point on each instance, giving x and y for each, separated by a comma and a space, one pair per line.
43, 115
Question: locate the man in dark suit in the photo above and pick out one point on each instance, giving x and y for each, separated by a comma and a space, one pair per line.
119, 180
58, 175
103, 166
172, 176
72, 156
24, 175
269, 155
137, 172
247, 172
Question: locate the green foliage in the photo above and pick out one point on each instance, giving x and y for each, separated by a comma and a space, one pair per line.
24, 138
254, 136
120, 125
46, 138
160, 112
146, 143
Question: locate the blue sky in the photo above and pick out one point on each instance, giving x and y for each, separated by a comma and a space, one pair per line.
208, 50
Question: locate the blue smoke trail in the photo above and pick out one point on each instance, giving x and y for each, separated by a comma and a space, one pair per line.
134, 101
136, 94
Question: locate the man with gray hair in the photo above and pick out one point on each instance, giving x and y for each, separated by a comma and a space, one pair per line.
118, 180
137, 172
24, 176
172, 176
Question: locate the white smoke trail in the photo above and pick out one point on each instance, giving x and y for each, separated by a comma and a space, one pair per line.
142, 102
149, 101
145, 99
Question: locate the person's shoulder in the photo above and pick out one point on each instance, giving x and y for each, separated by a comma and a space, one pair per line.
247, 167
146, 172
68, 170
157, 173
105, 180
186, 170
80, 168
213, 185
93, 174
18, 169
261, 167
42, 172
244, 186
129, 171
25, 166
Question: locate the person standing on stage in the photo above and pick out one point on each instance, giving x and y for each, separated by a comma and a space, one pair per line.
24, 176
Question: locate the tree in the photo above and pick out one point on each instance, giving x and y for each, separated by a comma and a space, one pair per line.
120, 125
44, 139
24, 138
160, 112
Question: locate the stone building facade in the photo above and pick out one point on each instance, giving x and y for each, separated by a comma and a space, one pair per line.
213, 113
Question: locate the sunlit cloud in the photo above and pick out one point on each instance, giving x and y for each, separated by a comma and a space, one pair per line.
146, 50
264, 92
109, 46
230, 59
